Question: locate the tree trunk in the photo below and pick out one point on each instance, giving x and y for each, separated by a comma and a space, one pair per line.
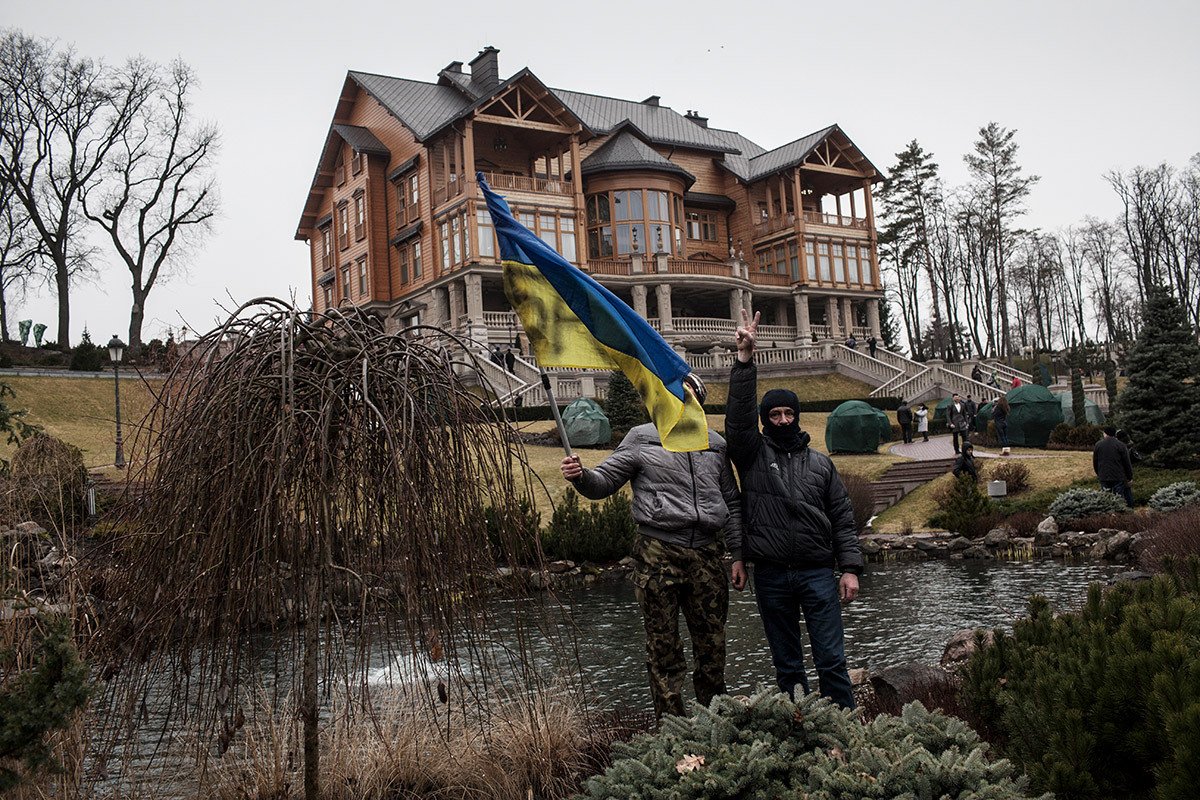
137, 315
3, 315
62, 282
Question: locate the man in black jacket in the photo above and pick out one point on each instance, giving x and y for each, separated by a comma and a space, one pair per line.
904, 417
799, 526
1114, 470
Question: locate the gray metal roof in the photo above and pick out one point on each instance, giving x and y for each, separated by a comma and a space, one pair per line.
787, 155
738, 163
626, 151
362, 140
659, 124
423, 107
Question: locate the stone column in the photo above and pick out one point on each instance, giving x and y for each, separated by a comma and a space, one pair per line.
748, 302
636, 265
848, 318
663, 291
873, 318
781, 311
831, 315
474, 285
803, 323
439, 307
639, 299
735, 305
457, 302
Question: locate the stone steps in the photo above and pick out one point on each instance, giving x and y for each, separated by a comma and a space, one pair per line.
903, 477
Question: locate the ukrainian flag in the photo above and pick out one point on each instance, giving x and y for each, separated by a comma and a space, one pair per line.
573, 321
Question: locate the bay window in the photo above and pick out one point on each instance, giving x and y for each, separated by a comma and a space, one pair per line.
626, 221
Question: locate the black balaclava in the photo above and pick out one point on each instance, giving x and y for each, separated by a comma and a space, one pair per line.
786, 437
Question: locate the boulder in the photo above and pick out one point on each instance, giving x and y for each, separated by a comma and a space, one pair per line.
962, 644
1048, 527
626, 563
1116, 544
998, 537
870, 547
977, 552
896, 686
31, 529
925, 545
1133, 575
559, 567
959, 543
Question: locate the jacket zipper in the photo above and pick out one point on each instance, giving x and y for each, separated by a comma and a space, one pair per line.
695, 499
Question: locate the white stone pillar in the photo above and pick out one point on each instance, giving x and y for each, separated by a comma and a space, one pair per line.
735, 305
831, 314
873, 318
636, 265
474, 284
748, 302
848, 318
457, 302
663, 292
439, 308
639, 299
803, 323
781, 310
660, 262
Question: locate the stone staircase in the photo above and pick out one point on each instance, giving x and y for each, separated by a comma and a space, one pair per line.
904, 476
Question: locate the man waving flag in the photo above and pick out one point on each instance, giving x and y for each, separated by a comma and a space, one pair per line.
573, 321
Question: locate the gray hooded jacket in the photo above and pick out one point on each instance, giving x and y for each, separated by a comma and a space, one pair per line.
679, 498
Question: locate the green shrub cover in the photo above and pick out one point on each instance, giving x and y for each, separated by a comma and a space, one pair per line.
964, 506
769, 748
1104, 703
600, 532
1177, 495
1075, 503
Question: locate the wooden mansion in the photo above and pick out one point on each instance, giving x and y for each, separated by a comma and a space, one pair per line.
686, 222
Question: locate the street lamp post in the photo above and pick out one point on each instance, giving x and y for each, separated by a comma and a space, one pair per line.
116, 351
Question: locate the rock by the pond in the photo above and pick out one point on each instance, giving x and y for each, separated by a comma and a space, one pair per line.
1131, 575
977, 552
959, 543
626, 562
870, 547
962, 644
559, 567
1048, 526
927, 545
898, 685
998, 537
1117, 544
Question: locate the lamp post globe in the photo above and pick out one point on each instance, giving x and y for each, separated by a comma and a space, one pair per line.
116, 352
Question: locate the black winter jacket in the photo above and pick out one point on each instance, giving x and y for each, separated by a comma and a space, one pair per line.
795, 508
1110, 460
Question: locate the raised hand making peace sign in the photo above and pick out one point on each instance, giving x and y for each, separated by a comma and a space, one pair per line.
747, 334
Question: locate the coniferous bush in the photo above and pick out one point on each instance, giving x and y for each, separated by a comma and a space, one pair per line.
1075, 503
963, 508
514, 531
1101, 703
1160, 405
86, 356
623, 405
1110, 381
769, 748
601, 532
1177, 495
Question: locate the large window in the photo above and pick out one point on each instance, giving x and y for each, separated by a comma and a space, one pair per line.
416, 259
326, 234
362, 277
343, 223
486, 234
810, 260
631, 220
852, 262
839, 264
345, 281
327, 295
455, 238
823, 260
402, 260
360, 216
702, 226
865, 252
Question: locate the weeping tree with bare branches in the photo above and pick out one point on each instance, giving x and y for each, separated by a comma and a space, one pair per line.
319, 485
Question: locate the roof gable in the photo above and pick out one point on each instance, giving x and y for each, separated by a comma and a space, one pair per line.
658, 124
830, 146
625, 151
424, 108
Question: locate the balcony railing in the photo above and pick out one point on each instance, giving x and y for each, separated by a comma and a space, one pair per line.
608, 267
770, 278
684, 266
451, 190
834, 220
529, 183
774, 224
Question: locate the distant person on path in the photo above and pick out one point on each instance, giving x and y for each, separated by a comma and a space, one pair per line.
1114, 470
965, 463
510, 359
872, 345
851, 342
972, 411
993, 380
496, 357
1016, 382
904, 417
976, 374
1000, 411
956, 420
681, 503
922, 414
800, 529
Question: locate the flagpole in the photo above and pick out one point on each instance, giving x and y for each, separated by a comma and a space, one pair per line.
562, 429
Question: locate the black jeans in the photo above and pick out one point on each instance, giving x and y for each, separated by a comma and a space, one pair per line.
959, 438
906, 432
1120, 489
784, 594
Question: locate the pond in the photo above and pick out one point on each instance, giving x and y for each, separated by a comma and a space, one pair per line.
905, 612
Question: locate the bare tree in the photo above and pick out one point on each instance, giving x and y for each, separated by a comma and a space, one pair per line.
19, 254
61, 116
159, 196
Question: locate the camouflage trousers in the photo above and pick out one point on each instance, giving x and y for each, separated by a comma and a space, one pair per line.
668, 579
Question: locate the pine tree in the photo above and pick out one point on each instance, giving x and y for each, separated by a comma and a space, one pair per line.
623, 405
1078, 410
1160, 406
1110, 381
889, 328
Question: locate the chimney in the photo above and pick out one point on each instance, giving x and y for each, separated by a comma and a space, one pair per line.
652, 100
454, 66
485, 68
694, 116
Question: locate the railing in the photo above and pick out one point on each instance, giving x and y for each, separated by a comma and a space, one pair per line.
684, 266
789, 355
449, 191
966, 386
529, 183
774, 332
608, 267
702, 360
904, 388
865, 363
1005, 372
821, 331
821, 218
713, 325
502, 319
774, 225
770, 279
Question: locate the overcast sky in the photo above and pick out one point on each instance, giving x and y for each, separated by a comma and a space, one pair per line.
1090, 86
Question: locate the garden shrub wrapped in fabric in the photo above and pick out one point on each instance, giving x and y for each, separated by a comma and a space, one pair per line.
769, 748
1075, 503
1102, 703
1177, 495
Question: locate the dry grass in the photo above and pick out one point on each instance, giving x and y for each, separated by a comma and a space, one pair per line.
520, 747
833, 386
81, 411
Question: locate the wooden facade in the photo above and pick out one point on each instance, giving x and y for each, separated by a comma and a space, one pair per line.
686, 223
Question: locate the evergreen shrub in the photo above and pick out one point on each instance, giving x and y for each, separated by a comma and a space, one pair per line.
1075, 503
1177, 495
514, 532
769, 748
1074, 437
86, 356
1103, 703
623, 405
1148, 480
600, 532
963, 508
1014, 474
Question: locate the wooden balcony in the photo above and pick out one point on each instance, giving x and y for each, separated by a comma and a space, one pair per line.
771, 225
609, 266
444, 194
834, 220
685, 266
770, 278
502, 182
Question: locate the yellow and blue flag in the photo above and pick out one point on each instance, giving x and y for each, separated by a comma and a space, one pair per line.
574, 322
